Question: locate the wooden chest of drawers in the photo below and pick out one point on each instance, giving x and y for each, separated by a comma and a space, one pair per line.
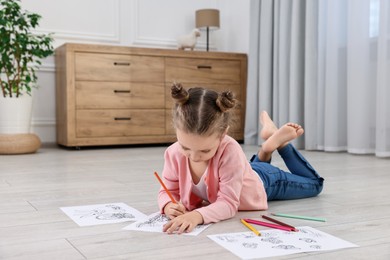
112, 95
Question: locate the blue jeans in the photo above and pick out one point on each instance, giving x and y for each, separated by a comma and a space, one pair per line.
302, 182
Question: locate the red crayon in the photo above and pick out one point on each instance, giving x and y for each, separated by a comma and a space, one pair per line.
266, 224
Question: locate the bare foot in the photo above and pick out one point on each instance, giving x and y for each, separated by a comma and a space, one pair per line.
269, 128
282, 137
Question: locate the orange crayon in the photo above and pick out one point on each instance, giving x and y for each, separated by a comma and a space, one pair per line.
165, 187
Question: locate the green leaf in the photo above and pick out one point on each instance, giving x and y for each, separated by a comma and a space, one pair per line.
20, 49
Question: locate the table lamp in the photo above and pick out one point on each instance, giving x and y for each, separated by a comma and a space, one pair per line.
207, 19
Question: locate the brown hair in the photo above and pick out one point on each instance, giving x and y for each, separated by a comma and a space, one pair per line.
201, 111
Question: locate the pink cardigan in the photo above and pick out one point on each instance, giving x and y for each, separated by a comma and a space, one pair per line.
231, 183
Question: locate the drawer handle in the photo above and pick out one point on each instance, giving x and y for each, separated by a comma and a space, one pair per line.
122, 118
204, 67
122, 63
121, 91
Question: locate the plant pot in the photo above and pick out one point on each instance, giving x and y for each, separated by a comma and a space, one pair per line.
15, 119
15, 114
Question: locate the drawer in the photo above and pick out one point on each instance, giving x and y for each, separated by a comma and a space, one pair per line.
202, 71
98, 95
112, 67
219, 88
114, 123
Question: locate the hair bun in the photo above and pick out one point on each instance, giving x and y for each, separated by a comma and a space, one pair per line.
179, 94
226, 101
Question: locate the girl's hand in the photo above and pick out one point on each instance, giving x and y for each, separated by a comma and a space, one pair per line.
183, 223
172, 210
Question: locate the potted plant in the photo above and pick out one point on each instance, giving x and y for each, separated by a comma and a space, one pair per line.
20, 53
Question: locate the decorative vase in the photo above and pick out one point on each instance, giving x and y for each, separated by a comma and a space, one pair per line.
15, 114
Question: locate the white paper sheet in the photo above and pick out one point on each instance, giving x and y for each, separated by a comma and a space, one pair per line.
155, 223
247, 245
90, 215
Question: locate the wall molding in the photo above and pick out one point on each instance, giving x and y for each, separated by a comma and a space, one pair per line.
140, 40
47, 68
39, 122
83, 36
71, 35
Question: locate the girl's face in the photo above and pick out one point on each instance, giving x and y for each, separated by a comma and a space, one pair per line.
198, 148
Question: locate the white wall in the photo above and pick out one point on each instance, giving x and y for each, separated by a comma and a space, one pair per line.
147, 23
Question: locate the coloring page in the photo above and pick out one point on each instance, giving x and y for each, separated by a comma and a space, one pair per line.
272, 242
155, 223
90, 215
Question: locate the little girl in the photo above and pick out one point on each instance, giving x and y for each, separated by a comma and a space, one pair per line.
207, 171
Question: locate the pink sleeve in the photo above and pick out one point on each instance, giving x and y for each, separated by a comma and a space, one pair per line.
171, 181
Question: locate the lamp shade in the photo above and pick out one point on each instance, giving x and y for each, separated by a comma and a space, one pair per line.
207, 18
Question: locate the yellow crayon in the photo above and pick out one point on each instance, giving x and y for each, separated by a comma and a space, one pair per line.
250, 227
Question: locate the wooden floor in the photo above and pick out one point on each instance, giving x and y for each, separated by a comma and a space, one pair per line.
355, 201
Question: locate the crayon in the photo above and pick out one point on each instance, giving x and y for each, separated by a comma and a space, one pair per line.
250, 227
165, 187
298, 217
279, 222
266, 224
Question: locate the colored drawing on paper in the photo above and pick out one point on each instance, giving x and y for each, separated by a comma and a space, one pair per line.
277, 242
102, 214
155, 223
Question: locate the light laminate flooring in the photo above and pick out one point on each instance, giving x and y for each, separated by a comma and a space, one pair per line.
355, 202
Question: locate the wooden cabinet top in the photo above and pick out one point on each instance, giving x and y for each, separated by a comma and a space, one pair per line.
81, 47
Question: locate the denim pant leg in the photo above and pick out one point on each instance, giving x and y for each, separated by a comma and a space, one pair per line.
296, 163
282, 185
